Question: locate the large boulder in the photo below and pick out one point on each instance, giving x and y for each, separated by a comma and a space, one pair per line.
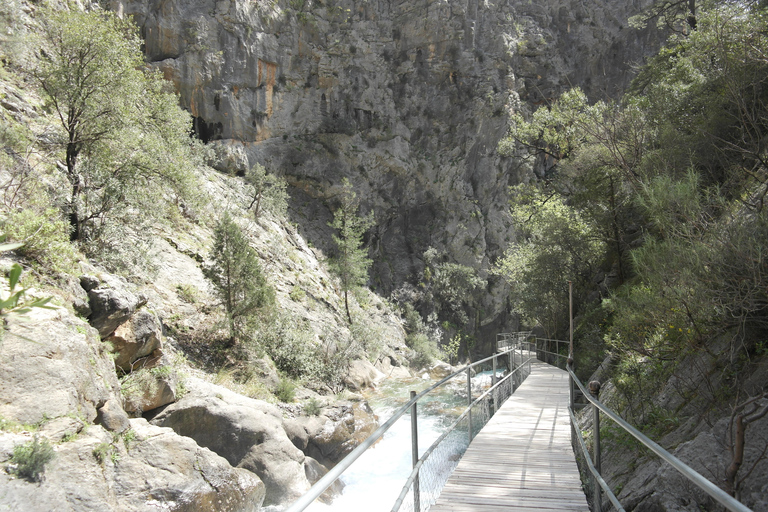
111, 300
337, 431
152, 470
248, 433
136, 343
146, 390
54, 364
362, 374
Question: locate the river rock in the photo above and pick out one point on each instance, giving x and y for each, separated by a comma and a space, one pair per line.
54, 364
315, 471
347, 425
248, 433
156, 471
362, 374
440, 370
392, 369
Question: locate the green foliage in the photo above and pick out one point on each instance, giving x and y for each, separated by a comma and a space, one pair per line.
45, 237
286, 390
557, 245
453, 289
291, 346
268, 191
368, 337
15, 304
30, 459
188, 293
313, 407
103, 452
351, 262
425, 349
297, 294
123, 134
676, 15
237, 278
451, 350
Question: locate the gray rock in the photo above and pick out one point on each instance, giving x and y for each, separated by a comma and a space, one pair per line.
362, 374
112, 303
229, 157
348, 425
63, 427
248, 433
149, 391
54, 364
315, 471
139, 337
157, 471
112, 417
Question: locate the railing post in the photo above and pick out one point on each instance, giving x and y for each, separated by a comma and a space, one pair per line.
493, 383
415, 454
570, 383
469, 402
594, 390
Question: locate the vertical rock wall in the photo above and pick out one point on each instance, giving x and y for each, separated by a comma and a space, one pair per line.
406, 98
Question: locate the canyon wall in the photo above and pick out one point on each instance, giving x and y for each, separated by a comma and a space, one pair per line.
407, 99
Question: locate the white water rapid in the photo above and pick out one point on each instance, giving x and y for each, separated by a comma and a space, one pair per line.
375, 480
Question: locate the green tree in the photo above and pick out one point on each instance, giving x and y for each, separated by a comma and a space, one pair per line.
237, 277
453, 288
351, 263
124, 137
555, 245
268, 191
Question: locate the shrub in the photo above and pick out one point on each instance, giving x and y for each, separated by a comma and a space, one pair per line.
237, 277
286, 390
368, 337
45, 236
312, 407
424, 349
30, 459
188, 293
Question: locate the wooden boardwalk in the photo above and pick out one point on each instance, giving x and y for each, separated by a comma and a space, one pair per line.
522, 459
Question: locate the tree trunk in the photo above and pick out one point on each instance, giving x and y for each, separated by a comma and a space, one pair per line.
738, 456
346, 305
74, 180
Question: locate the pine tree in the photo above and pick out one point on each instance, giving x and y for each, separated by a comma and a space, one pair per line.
351, 263
237, 276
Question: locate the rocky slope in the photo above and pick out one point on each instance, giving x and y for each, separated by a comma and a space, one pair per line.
223, 451
406, 99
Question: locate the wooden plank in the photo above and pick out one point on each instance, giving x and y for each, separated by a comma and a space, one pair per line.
522, 459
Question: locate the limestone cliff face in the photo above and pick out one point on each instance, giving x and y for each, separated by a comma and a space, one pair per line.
406, 98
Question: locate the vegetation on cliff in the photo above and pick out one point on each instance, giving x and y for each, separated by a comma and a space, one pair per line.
669, 184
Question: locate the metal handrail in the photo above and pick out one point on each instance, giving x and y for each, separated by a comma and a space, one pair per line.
428, 452
592, 469
327, 480
717, 493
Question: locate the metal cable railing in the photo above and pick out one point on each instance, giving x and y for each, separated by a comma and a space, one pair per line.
597, 483
452, 443
477, 414
725, 499
431, 470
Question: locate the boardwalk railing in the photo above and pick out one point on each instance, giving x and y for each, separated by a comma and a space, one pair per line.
556, 352
435, 465
432, 469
